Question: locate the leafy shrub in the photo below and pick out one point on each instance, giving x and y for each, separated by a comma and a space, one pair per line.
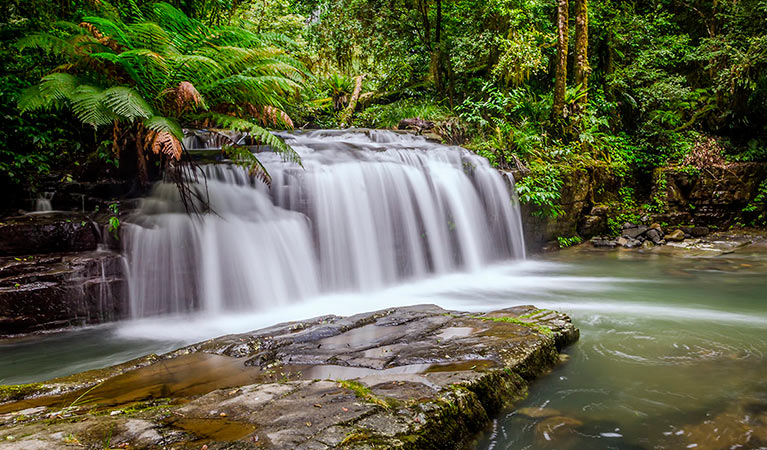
542, 188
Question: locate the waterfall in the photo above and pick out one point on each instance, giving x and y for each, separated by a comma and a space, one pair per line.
43, 202
368, 209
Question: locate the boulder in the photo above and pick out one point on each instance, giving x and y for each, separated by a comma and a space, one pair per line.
415, 123
603, 242
654, 236
592, 225
633, 243
60, 290
675, 236
599, 211
49, 233
634, 232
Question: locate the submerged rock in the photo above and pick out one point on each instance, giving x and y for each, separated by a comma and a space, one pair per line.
556, 431
414, 377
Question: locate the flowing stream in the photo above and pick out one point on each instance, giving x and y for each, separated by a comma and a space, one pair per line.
673, 349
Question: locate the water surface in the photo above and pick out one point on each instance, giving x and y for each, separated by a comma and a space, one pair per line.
672, 351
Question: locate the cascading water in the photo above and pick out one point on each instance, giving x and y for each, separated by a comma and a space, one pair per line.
367, 209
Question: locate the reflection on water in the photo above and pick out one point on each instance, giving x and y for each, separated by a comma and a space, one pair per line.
673, 351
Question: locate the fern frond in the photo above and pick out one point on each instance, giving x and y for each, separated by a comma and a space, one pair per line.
256, 132
126, 102
114, 30
88, 106
59, 86
193, 67
261, 90
31, 99
161, 124
165, 143
151, 36
242, 156
184, 31
46, 42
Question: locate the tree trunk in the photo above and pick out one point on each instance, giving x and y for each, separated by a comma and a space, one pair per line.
436, 66
143, 174
582, 69
558, 111
346, 117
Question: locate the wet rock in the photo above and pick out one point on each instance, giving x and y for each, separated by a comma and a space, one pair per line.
415, 377
675, 236
648, 244
696, 231
599, 211
49, 233
58, 290
415, 123
654, 236
592, 225
632, 231
603, 242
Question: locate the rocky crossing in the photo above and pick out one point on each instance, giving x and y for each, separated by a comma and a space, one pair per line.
416, 377
635, 236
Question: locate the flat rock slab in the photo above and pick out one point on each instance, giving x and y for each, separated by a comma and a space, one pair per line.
417, 377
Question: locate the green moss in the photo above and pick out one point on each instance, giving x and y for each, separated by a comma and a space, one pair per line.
355, 436
364, 393
19, 391
517, 321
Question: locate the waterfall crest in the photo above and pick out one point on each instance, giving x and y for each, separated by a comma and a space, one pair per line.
368, 209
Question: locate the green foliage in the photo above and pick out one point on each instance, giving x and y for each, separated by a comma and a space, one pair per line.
158, 69
542, 188
565, 242
389, 115
755, 213
626, 210
114, 220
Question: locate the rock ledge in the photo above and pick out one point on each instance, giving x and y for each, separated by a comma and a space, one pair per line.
418, 377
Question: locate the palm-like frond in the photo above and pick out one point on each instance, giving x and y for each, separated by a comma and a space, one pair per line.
59, 86
126, 102
163, 69
164, 125
88, 106
255, 131
46, 42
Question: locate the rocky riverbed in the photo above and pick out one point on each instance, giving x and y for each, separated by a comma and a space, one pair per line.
414, 377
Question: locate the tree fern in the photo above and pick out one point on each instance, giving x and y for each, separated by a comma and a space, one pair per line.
88, 106
127, 103
154, 71
164, 124
255, 131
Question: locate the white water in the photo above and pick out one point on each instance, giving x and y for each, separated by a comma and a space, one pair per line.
43, 202
368, 210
